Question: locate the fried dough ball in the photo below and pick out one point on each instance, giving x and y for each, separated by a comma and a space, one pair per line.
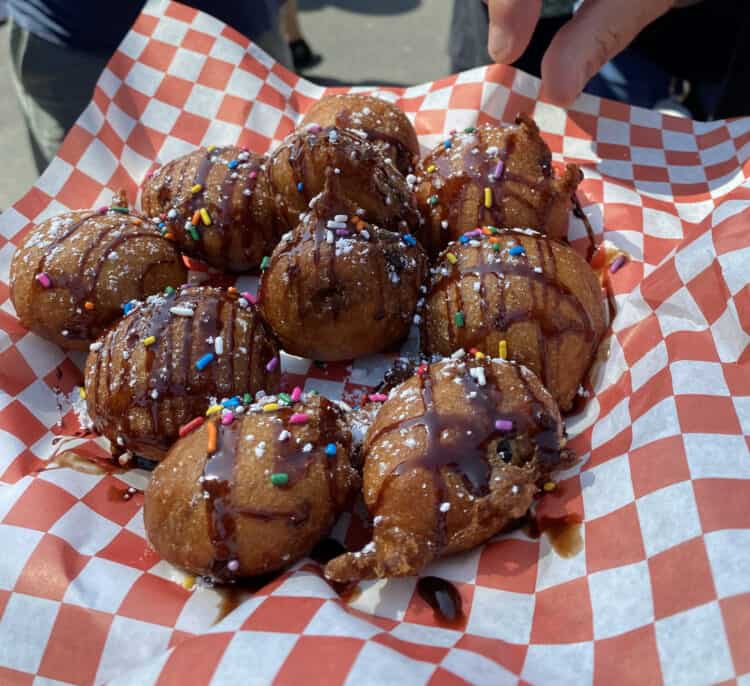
160, 366
454, 454
493, 175
73, 272
217, 204
299, 167
532, 292
253, 495
338, 288
382, 122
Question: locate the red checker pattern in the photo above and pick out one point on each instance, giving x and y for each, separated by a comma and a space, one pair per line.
50, 569
658, 309
29, 512
332, 657
155, 600
681, 578
68, 658
563, 614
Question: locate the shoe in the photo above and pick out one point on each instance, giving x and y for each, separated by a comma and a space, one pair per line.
302, 56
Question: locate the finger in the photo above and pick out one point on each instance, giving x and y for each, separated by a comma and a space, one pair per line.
596, 33
511, 24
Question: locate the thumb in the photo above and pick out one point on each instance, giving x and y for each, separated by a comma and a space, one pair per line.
511, 24
596, 33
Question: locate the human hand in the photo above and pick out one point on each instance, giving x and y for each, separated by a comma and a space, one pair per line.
596, 33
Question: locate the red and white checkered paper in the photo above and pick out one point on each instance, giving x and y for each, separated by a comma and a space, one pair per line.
661, 592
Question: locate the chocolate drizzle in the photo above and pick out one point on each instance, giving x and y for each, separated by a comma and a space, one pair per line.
229, 197
444, 599
289, 457
311, 154
580, 214
327, 287
547, 295
404, 158
165, 381
82, 284
475, 173
462, 443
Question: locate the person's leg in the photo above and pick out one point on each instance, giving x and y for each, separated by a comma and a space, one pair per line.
302, 56
290, 27
467, 44
274, 44
54, 85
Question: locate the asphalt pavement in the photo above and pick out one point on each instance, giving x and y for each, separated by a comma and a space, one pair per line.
362, 42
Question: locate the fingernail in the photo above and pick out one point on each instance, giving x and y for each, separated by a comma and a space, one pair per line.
499, 45
562, 92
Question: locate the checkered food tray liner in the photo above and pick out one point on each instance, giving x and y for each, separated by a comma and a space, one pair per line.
661, 590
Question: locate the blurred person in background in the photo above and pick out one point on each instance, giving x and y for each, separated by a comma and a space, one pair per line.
687, 57
303, 56
58, 49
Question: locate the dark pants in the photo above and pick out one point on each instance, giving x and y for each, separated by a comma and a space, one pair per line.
55, 84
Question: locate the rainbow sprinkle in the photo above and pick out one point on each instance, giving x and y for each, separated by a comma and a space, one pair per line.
451, 258
549, 486
516, 250
265, 262
280, 479
331, 449
299, 418
270, 407
488, 197
447, 144
504, 425
249, 297
149, 340
459, 319
214, 409
409, 239
204, 361
296, 394
205, 217
502, 350
377, 397
44, 280
212, 438
197, 188
227, 418
193, 424
499, 168
272, 364
433, 200
617, 264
